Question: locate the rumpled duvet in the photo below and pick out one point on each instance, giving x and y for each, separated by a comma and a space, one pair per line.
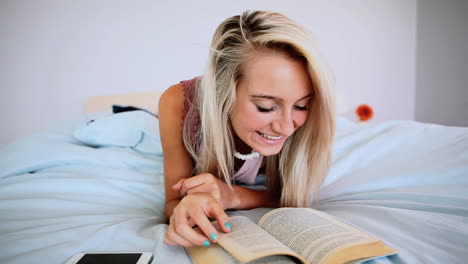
98, 186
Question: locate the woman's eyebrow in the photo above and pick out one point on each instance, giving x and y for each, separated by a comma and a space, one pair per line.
264, 96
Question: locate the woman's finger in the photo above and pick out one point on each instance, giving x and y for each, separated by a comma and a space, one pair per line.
191, 183
205, 225
174, 239
179, 184
199, 189
207, 189
183, 229
221, 217
195, 181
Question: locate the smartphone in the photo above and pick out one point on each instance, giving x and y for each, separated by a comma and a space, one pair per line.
111, 258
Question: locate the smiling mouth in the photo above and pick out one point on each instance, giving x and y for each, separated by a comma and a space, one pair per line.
269, 137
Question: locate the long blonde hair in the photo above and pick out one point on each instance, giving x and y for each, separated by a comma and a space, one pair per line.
298, 171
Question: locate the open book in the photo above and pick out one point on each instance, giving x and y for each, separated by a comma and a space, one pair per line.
291, 235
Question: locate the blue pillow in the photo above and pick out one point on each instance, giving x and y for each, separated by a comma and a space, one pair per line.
135, 129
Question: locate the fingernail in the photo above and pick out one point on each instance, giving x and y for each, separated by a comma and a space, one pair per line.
206, 243
213, 236
228, 225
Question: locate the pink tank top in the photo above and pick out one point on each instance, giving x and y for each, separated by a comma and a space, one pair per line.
249, 170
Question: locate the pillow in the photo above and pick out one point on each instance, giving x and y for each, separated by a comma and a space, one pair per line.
138, 130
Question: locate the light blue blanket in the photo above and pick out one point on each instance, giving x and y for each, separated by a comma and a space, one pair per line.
99, 187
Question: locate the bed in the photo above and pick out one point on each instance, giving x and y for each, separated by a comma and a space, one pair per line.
96, 184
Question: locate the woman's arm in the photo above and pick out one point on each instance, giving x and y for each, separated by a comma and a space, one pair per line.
184, 214
245, 198
239, 197
177, 161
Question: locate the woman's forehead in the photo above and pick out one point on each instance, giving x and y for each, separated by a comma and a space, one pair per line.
276, 74
275, 89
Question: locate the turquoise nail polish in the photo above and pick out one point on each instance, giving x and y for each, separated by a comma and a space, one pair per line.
213, 236
228, 225
206, 243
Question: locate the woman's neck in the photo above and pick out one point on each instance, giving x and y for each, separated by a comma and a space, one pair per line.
240, 145
242, 148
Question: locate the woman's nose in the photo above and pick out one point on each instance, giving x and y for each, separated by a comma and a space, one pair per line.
284, 125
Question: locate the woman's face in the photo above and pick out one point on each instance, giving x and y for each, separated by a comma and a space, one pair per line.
272, 100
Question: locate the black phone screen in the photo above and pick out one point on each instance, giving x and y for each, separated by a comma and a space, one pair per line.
110, 258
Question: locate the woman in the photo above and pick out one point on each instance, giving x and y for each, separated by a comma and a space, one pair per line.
263, 104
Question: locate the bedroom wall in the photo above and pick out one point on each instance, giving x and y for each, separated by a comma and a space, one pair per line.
54, 54
442, 59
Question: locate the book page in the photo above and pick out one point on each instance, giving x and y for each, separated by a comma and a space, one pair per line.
312, 234
253, 215
247, 241
215, 254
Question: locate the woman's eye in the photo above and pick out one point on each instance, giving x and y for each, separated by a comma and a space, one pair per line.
301, 108
264, 110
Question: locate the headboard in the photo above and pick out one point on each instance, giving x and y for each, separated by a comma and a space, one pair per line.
145, 100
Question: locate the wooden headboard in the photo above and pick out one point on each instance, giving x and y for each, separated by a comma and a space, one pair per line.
145, 100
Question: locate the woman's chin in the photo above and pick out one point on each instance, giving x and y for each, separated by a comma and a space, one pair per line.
268, 151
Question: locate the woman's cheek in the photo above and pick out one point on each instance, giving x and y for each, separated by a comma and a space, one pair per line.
300, 118
259, 120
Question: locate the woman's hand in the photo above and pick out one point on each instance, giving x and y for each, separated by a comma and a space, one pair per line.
207, 183
195, 209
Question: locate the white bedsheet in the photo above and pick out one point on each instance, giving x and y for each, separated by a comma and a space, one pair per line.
405, 182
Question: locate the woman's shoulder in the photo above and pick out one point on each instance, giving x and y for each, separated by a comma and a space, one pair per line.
172, 96
171, 107
175, 95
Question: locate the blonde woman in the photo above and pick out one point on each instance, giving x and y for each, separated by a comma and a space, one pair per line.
263, 105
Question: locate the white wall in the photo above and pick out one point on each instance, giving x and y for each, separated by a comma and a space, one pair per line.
442, 59
54, 54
